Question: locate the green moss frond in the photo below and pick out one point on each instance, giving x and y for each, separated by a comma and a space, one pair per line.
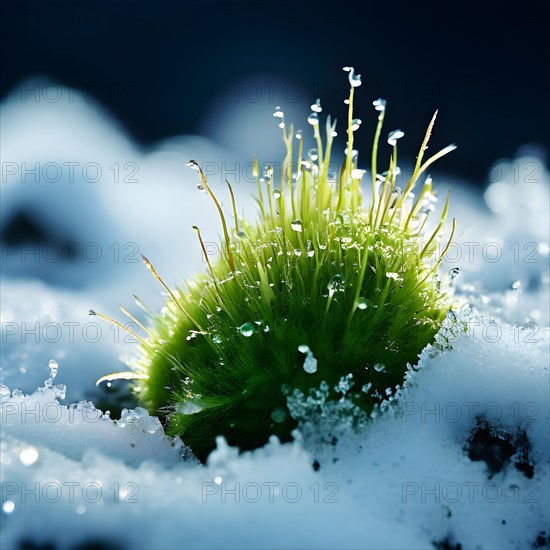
317, 288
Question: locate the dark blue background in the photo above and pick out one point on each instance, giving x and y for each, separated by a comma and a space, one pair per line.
160, 66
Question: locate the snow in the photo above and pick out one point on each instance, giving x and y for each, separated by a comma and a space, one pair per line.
71, 475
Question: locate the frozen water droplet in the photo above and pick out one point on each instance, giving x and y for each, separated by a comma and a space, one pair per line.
366, 388
354, 79
313, 154
362, 303
278, 415
379, 104
394, 135
355, 124
296, 225
299, 134
52, 363
379, 367
201, 188
248, 329
313, 119
453, 273
4, 391
310, 364
316, 107
218, 480
516, 286
217, 339
278, 113
336, 284
8, 506
28, 456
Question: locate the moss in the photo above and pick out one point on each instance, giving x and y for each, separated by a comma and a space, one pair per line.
318, 288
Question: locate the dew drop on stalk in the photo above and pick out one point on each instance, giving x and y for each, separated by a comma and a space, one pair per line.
362, 303
313, 154
355, 124
354, 79
278, 112
394, 135
299, 134
276, 193
316, 107
248, 329
336, 284
296, 225
313, 119
379, 104
453, 273
310, 363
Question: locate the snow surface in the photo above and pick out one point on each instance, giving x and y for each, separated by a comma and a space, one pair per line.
71, 475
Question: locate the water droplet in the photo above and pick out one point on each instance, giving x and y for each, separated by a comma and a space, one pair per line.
278, 113
4, 391
80, 509
28, 456
516, 286
357, 173
379, 104
363, 303
266, 328
336, 284
248, 329
394, 135
193, 164
278, 415
313, 119
316, 107
366, 388
8, 507
453, 273
354, 79
313, 154
310, 364
297, 251
296, 225
299, 134
52, 363
392, 275
218, 480
379, 367
355, 124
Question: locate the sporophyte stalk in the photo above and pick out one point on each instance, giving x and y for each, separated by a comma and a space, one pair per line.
319, 289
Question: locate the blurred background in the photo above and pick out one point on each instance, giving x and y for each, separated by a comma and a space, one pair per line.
193, 67
103, 103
